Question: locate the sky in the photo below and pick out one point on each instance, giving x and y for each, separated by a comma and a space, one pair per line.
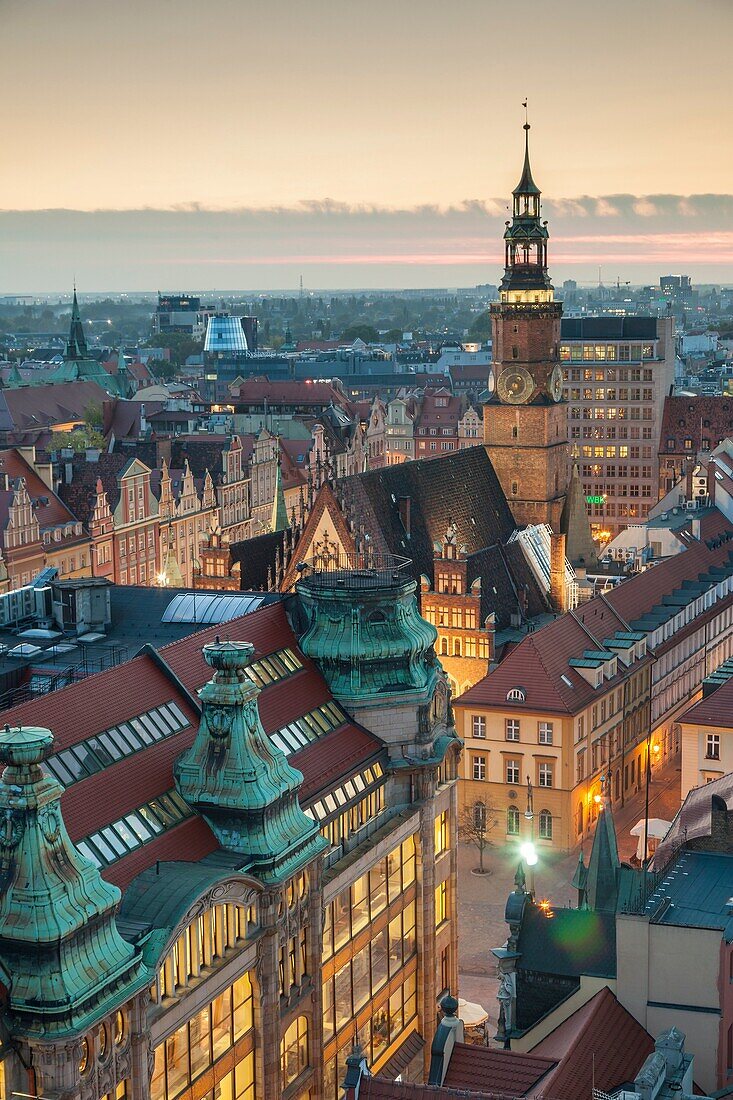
240, 144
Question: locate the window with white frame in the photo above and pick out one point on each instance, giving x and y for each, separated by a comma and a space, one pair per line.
712, 746
512, 729
512, 771
478, 766
512, 821
545, 825
544, 733
478, 725
544, 775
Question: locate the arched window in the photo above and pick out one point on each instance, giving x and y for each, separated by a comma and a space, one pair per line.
456, 647
444, 647
515, 695
515, 432
294, 1051
515, 352
479, 816
512, 821
580, 818
545, 825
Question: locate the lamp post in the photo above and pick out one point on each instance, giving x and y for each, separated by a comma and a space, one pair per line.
528, 850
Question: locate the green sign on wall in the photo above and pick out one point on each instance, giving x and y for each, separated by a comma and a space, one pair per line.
595, 500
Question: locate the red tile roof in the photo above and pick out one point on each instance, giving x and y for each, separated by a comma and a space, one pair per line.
600, 1046
538, 663
694, 418
500, 1071
52, 514
255, 391
715, 710
99, 702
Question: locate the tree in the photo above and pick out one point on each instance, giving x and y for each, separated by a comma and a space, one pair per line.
475, 822
77, 440
481, 327
367, 333
93, 416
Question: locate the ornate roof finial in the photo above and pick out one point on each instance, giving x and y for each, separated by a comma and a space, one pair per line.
238, 780
526, 185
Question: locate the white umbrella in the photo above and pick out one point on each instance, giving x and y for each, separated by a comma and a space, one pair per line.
656, 829
471, 1014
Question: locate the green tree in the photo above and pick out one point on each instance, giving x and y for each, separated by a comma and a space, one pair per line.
367, 333
93, 416
77, 440
481, 327
180, 343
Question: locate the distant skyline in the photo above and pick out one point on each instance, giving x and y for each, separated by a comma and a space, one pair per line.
242, 143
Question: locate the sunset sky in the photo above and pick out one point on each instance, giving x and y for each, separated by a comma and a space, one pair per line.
240, 143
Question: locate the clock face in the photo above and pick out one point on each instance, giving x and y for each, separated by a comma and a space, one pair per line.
515, 385
554, 384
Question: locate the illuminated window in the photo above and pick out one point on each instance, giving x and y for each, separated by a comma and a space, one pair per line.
545, 825
441, 833
294, 1051
441, 904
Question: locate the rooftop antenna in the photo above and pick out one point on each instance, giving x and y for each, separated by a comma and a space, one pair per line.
301, 286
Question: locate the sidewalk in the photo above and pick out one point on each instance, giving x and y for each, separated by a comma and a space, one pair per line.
482, 899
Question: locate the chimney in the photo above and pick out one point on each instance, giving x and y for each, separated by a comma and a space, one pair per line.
92, 454
162, 451
558, 589
404, 504
688, 480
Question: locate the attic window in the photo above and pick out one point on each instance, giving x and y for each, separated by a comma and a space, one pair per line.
515, 695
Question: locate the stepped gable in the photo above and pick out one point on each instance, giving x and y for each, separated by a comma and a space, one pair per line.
80, 494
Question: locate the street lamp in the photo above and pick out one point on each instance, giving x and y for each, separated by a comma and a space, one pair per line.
528, 850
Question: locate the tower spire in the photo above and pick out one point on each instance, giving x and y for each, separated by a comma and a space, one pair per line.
76, 345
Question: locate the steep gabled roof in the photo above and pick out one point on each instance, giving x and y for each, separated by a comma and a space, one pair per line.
600, 1046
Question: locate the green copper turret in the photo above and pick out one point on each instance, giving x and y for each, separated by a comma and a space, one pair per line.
239, 781
59, 942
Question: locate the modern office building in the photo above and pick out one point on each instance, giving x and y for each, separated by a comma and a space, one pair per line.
231, 858
617, 373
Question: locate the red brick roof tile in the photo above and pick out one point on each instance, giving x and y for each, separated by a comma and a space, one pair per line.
499, 1071
599, 1046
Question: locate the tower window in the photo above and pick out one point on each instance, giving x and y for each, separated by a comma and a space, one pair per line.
515, 488
515, 432
515, 352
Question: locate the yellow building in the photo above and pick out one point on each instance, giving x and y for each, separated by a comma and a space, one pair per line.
566, 712
707, 732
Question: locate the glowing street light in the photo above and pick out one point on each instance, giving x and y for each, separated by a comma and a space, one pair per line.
528, 853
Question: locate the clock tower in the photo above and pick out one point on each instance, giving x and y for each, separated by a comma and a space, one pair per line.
525, 417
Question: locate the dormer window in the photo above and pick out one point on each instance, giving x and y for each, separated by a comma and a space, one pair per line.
516, 695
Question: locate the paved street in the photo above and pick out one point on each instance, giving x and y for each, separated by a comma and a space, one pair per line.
481, 900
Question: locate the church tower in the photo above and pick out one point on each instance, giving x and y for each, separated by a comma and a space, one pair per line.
525, 418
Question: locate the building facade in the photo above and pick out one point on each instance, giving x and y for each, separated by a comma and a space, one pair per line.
247, 882
453, 605
564, 710
617, 373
